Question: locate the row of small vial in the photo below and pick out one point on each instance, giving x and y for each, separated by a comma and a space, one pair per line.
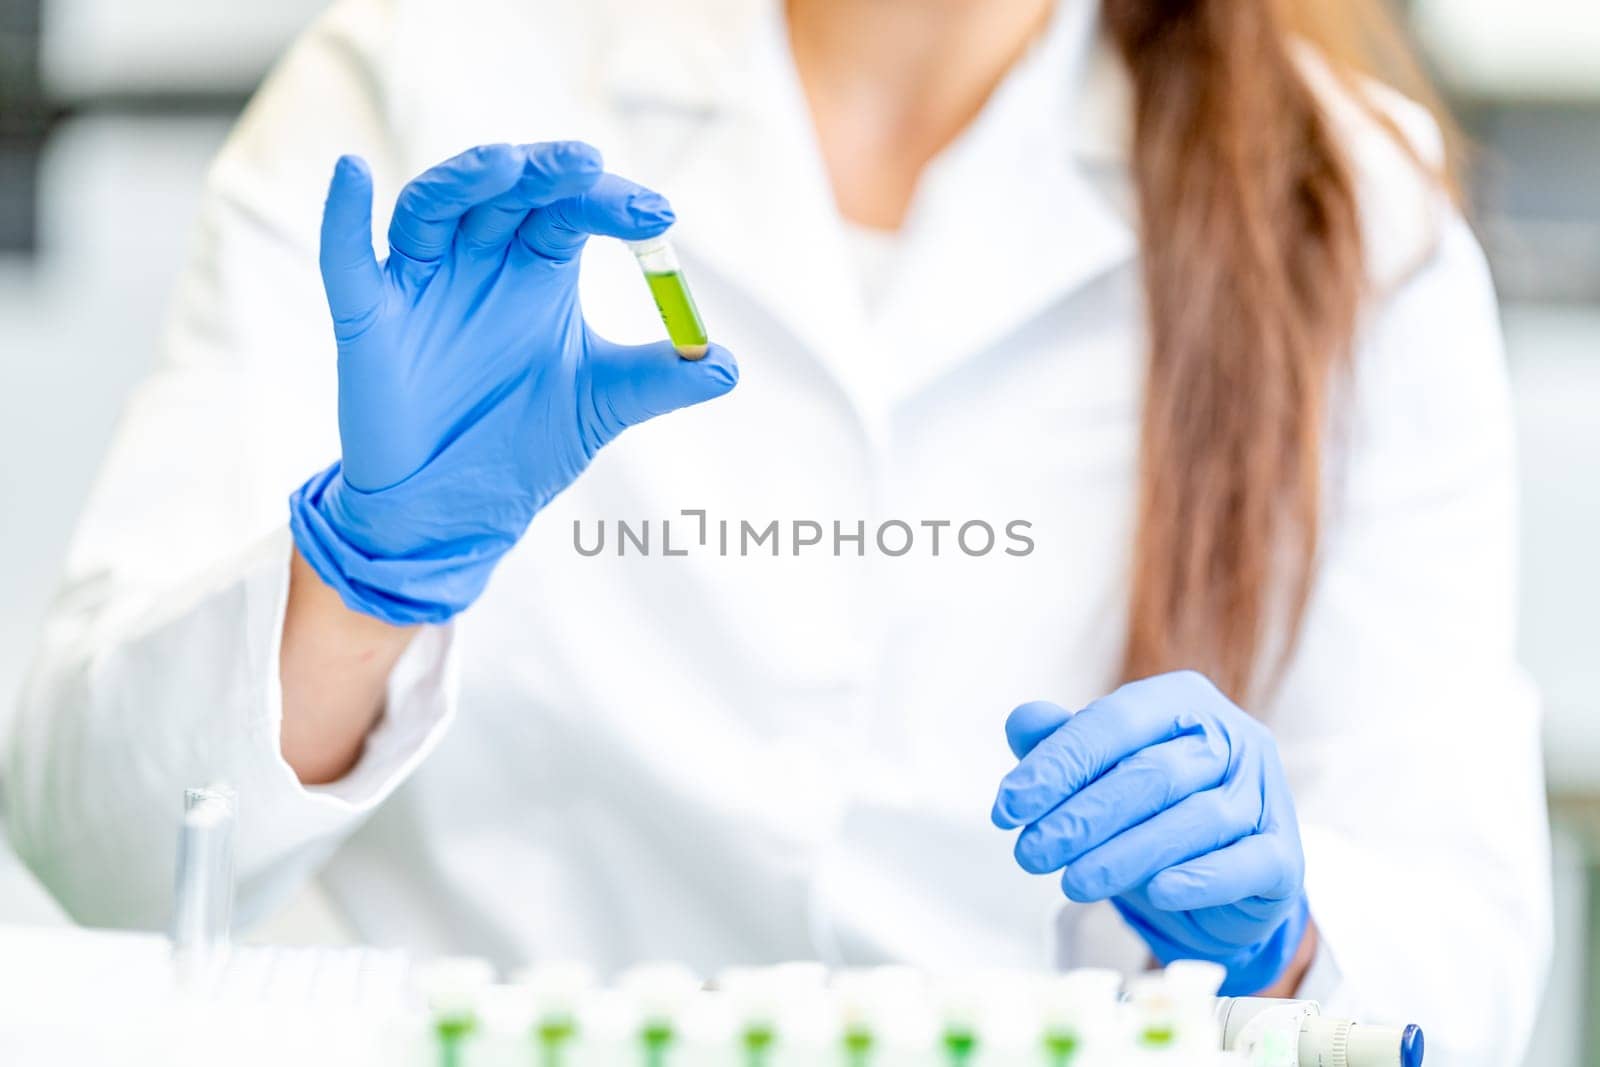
797, 1015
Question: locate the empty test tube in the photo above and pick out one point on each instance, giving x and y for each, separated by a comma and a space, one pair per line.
662, 273
202, 911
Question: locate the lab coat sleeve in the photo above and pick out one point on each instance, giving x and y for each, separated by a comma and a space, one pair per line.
159, 664
1409, 732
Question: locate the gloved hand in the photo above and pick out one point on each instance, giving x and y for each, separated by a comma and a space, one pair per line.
471, 391
1170, 801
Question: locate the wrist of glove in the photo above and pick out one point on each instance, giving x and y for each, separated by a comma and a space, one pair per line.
1251, 967
1171, 802
392, 555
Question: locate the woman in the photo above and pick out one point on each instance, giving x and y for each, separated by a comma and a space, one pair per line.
1166, 298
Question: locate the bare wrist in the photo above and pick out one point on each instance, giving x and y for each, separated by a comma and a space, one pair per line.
334, 667
1288, 984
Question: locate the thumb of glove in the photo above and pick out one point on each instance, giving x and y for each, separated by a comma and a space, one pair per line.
634, 383
350, 273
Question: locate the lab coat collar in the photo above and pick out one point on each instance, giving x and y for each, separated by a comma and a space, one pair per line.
1005, 222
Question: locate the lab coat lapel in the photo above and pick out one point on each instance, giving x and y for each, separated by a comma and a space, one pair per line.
737, 156
1007, 220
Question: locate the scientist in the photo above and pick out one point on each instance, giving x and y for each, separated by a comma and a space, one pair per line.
1174, 290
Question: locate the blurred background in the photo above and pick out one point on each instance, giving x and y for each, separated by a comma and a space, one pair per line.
111, 109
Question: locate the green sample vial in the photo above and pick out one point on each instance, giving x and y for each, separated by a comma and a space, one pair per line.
554, 1033
959, 1045
1060, 1046
454, 987
673, 300
453, 1031
858, 1044
655, 1038
1159, 1035
758, 1040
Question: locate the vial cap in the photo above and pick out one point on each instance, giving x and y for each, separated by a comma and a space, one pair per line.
1195, 978
657, 243
1411, 1046
454, 985
660, 990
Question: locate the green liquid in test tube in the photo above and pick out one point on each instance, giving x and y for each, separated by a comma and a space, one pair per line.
673, 300
1157, 1036
655, 1039
1059, 1048
453, 1031
858, 1047
554, 1034
758, 1042
959, 1045
453, 987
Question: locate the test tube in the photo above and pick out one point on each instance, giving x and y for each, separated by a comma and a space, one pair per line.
1156, 1010
960, 1043
557, 989
453, 986
202, 911
753, 994
659, 992
878, 1007
659, 261
1078, 1009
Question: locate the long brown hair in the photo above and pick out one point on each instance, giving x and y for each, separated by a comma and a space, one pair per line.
1254, 274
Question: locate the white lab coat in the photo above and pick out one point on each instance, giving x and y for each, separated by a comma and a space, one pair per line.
722, 758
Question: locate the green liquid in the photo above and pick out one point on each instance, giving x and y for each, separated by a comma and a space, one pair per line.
453, 1032
553, 1034
857, 1047
678, 313
1060, 1048
656, 1040
758, 1041
959, 1046
1157, 1037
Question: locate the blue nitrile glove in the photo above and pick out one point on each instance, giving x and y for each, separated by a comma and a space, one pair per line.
471, 391
1167, 799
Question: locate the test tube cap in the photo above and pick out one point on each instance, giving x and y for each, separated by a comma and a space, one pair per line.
1195, 978
1087, 990
798, 975
557, 978
659, 990
1411, 1046
658, 243
453, 985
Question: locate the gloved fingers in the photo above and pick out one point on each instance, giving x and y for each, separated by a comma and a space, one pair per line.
612, 207
1093, 741
628, 384
1146, 783
1256, 873
350, 273
1197, 825
431, 205
552, 171
1030, 723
